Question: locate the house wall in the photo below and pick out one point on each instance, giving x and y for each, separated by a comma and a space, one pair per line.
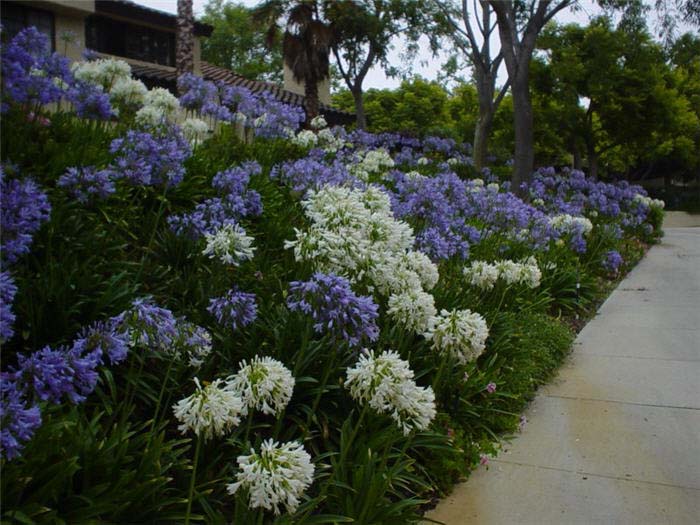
290, 84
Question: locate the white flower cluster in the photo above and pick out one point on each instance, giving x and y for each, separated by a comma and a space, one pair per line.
566, 223
484, 275
128, 92
319, 122
278, 475
105, 72
230, 244
385, 382
159, 106
372, 162
264, 384
414, 309
462, 333
211, 411
648, 201
354, 234
195, 130
306, 138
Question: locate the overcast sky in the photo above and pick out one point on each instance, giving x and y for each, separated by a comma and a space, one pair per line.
425, 64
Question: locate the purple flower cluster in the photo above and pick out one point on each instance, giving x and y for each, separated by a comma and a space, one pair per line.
311, 174
236, 201
268, 117
85, 183
612, 261
438, 208
202, 96
573, 193
23, 208
148, 325
335, 308
8, 290
18, 419
29, 70
32, 75
52, 375
234, 309
89, 102
150, 159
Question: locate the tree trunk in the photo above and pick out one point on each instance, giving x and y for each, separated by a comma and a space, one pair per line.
524, 158
184, 46
311, 104
485, 90
361, 118
592, 163
576, 152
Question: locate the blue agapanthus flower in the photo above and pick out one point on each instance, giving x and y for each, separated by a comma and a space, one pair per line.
335, 309
235, 309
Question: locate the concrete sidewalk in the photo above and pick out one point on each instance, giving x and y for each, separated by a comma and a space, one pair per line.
616, 437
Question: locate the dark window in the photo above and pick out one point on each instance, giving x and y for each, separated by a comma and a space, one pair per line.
130, 40
16, 17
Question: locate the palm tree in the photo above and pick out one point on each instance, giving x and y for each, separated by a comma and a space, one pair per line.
305, 46
184, 47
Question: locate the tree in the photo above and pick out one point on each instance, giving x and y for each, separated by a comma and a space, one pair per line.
630, 111
484, 66
238, 43
363, 32
184, 47
418, 108
305, 46
518, 27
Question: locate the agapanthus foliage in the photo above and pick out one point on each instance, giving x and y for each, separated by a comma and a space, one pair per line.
335, 309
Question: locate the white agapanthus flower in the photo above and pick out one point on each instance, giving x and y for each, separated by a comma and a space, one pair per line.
276, 476
481, 274
211, 411
493, 187
461, 333
484, 275
305, 138
385, 383
150, 116
426, 269
566, 223
353, 233
415, 175
230, 244
128, 92
104, 72
319, 122
509, 271
530, 273
414, 309
195, 130
163, 100
423, 161
648, 201
264, 384
329, 141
